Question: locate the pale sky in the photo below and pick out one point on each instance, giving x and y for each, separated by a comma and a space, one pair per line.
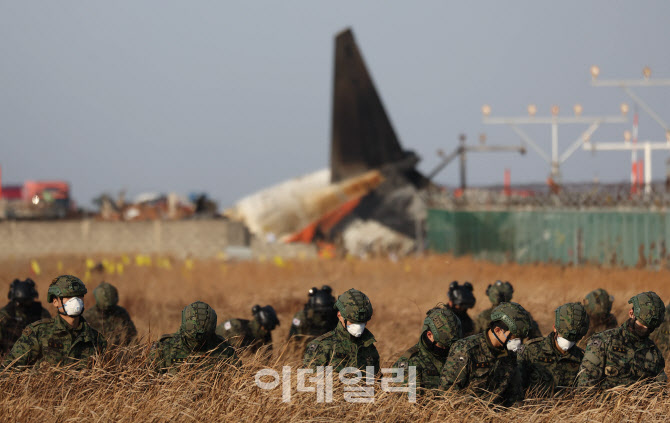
230, 97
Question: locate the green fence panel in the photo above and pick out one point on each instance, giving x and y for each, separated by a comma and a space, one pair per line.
616, 238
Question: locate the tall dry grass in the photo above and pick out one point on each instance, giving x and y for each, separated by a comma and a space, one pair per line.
120, 388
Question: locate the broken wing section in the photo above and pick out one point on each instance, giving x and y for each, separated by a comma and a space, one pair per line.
294, 205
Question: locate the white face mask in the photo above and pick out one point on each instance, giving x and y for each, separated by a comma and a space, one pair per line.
564, 344
356, 329
514, 344
73, 307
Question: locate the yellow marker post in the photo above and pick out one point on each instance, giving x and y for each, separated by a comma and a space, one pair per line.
90, 264
279, 262
59, 266
188, 264
119, 268
35, 267
125, 260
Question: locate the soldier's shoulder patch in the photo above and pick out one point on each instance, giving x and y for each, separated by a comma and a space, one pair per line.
227, 325
296, 321
312, 347
402, 364
595, 342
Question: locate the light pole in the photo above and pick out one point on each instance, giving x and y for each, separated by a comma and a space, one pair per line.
556, 159
626, 85
647, 146
463, 148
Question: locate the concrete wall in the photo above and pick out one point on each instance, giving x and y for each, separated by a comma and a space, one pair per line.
196, 238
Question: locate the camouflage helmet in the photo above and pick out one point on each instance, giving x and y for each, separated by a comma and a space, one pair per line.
649, 309
515, 317
598, 302
354, 306
461, 295
572, 321
266, 316
499, 292
66, 286
22, 291
444, 325
198, 320
106, 296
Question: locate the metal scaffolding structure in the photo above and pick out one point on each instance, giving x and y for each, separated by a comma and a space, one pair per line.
555, 159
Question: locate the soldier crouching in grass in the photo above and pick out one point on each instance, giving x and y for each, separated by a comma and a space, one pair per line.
350, 344
551, 363
441, 328
625, 355
62, 340
484, 364
110, 319
196, 343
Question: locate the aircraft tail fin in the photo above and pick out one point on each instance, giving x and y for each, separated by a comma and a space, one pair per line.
362, 137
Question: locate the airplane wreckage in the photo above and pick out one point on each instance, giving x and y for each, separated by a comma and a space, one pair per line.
369, 202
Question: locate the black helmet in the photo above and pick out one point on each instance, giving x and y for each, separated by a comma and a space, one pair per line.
266, 316
461, 295
320, 299
22, 291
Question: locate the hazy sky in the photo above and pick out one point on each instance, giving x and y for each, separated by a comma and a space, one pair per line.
229, 97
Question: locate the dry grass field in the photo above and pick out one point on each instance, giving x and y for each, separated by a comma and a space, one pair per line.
121, 389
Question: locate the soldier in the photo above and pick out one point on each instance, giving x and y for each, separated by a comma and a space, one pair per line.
626, 355
460, 300
110, 319
350, 344
62, 340
485, 364
551, 363
254, 334
661, 336
317, 318
22, 310
196, 343
441, 328
598, 304
501, 292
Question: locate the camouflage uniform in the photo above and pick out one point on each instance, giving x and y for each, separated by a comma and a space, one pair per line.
340, 349
426, 356
251, 335
317, 318
21, 311
475, 366
598, 304
500, 292
53, 340
661, 336
621, 356
194, 344
110, 319
546, 368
